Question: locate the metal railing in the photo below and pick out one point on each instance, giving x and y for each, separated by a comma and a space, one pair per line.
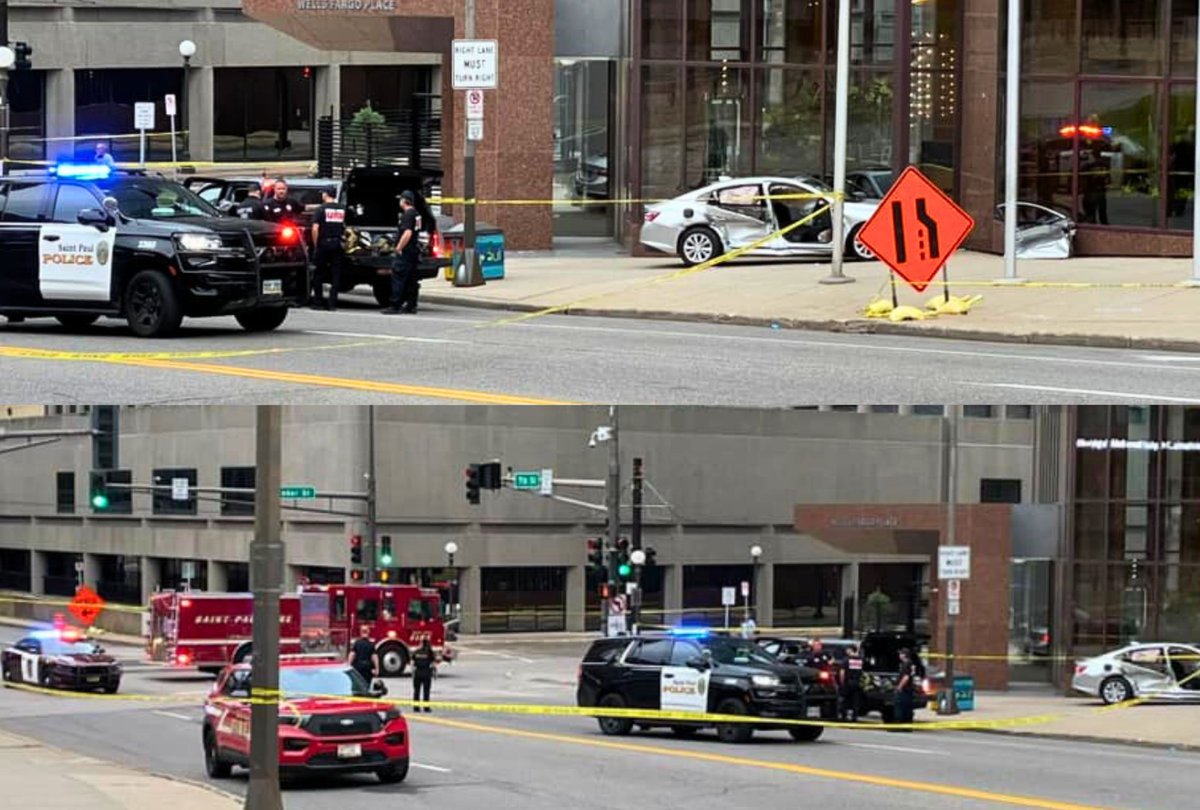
405, 138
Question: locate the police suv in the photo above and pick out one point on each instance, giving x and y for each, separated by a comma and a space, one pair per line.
81, 242
692, 673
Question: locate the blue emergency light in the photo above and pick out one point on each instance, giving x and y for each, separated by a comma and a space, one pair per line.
82, 171
689, 632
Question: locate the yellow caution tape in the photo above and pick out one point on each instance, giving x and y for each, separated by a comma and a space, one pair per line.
831, 195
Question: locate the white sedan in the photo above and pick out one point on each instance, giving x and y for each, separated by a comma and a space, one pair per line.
1169, 672
733, 213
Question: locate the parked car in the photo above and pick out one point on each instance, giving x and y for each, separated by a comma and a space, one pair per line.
591, 178
1042, 232
734, 213
871, 183
1156, 671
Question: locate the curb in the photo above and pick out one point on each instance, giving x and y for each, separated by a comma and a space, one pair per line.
858, 326
1092, 738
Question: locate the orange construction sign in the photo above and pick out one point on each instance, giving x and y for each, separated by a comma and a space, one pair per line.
86, 605
916, 228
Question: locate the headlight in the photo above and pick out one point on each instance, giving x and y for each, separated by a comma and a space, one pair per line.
199, 242
764, 680
388, 715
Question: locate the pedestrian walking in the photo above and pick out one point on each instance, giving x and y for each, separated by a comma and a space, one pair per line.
406, 286
424, 660
252, 206
363, 656
329, 225
905, 689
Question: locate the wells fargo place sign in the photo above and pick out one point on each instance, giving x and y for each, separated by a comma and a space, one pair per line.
348, 6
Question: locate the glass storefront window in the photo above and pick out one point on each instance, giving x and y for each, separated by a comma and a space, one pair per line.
1181, 468
1090, 527
871, 100
1181, 158
582, 168
718, 30
1124, 39
662, 29
1118, 141
262, 114
662, 124
789, 136
1047, 157
1180, 600
718, 124
1048, 42
791, 31
1183, 38
872, 32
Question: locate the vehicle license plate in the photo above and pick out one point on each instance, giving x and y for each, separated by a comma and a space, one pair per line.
814, 711
93, 679
273, 286
350, 750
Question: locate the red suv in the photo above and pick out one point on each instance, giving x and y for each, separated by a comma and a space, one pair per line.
330, 721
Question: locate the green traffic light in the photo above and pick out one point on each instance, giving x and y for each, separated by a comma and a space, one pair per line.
385, 560
624, 570
100, 501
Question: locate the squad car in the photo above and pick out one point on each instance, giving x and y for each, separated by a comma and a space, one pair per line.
82, 242
60, 659
331, 721
695, 673
1166, 672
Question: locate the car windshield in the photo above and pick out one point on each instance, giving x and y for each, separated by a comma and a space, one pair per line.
304, 681
58, 646
155, 198
735, 651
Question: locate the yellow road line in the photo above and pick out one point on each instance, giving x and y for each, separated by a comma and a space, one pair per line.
787, 767
29, 353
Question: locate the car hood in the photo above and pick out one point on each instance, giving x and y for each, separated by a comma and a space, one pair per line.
785, 672
166, 227
84, 658
327, 706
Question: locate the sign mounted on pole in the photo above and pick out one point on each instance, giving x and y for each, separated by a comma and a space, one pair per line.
475, 64
474, 130
474, 105
527, 480
953, 589
916, 228
547, 487
143, 115
728, 597
954, 562
179, 489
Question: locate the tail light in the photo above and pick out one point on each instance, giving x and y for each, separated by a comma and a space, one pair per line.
1080, 669
825, 676
1045, 638
435, 245
651, 216
183, 659
288, 234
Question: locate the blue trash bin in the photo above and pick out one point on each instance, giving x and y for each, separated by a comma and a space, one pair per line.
489, 242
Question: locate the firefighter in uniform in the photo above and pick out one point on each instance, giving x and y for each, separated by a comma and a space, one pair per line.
329, 225
423, 661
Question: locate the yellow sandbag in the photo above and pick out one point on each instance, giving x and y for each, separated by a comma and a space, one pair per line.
907, 313
878, 308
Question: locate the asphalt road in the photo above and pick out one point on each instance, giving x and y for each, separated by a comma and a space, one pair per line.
465, 761
448, 354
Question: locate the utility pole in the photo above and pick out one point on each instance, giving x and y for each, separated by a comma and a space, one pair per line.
372, 533
951, 706
841, 123
635, 537
266, 581
474, 272
1012, 147
612, 498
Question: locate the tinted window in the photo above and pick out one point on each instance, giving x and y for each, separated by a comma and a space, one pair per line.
732, 651
152, 198
367, 610
71, 200
683, 652
57, 646
653, 652
23, 202
300, 681
605, 651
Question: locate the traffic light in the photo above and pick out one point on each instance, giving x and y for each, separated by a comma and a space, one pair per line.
98, 491
624, 568
385, 551
472, 474
356, 549
651, 556
22, 51
489, 475
595, 548
385, 576
356, 575
605, 590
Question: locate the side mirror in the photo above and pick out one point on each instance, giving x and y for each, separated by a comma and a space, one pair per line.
378, 688
111, 205
95, 217
699, 663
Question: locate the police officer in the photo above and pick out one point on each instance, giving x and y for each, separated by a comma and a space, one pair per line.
850, 685
905, 689
363, 656
329, 225
816, 657
406, 286
423, 662
252, 206
279, 206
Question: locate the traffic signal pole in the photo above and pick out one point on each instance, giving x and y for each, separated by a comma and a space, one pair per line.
372, 534
635, 536
266, 581
612, 498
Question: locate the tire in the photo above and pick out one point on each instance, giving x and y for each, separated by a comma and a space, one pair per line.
887, 714
686, 732
735, 733
614, 726
393, 660
855, 250
393, 773
1115, 690
77, 321
111, 689
242, 653
214, 766
806, 733
698, 245
383, 292
151, 306
263, 319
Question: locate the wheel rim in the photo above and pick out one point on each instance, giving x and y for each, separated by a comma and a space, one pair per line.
392, 661
861, 250
145, 303
1114, 692
697, 248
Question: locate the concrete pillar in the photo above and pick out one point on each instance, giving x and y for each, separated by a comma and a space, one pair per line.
218, 576
91, 570
151, 568
200, 112
291, 578
850, 588
470, 587
764, 595
576, 598
672, 593
37, 573
60, 114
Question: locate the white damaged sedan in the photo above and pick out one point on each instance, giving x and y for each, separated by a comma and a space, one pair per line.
1167, 672
733, 213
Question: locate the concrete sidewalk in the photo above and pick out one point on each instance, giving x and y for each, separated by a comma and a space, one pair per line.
37, 775
1155, 310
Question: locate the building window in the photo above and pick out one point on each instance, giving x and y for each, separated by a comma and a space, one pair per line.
120, 498
164, 502
977, 411
885, 409
104, 102
104, 444
1018, 411
929, 410
237, 503
27, 94
66, 493
262, 114
844, 408
1000, 490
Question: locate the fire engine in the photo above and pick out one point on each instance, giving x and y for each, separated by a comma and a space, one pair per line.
209, 630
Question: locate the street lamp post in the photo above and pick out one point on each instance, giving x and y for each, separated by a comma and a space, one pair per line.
187, 49
755, 552
451, 548
638, 558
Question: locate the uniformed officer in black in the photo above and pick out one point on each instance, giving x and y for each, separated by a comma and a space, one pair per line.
406, 286
329, 224
252, 206
279, 206
850, 686
423, 663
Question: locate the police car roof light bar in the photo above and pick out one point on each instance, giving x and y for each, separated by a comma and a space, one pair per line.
82, 171
689, 632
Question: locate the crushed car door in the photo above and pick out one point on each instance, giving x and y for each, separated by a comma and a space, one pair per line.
792, 204
1147, 667
740, 215
1185, 669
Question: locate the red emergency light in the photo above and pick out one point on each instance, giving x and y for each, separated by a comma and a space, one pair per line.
1083, 130
183, 659
288, 234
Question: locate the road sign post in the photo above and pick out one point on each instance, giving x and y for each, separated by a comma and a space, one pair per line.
916, 229
474, 68
728, 600
169, 103
143, 120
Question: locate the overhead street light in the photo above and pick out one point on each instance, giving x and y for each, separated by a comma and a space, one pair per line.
638, 557
187, 49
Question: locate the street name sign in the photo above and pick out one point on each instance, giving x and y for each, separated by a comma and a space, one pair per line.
916, 228
475, 64
297, 492
954, 562
527, 480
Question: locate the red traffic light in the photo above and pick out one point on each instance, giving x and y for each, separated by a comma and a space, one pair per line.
355, 540
356, 575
